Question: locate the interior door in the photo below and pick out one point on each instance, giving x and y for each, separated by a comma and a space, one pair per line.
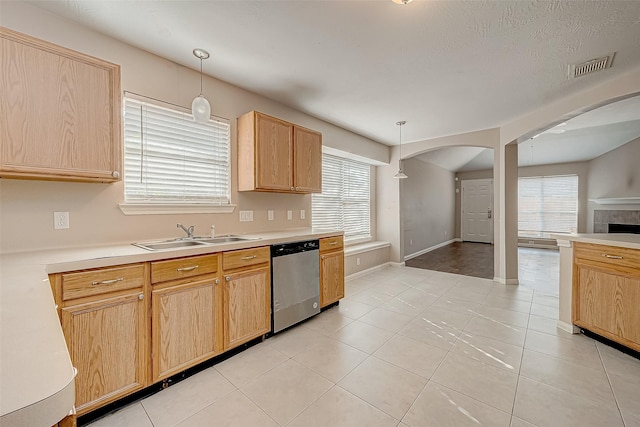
477, 210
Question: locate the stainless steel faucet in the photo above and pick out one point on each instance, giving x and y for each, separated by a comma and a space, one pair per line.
189, 230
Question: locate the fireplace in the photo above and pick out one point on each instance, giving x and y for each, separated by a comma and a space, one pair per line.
616, 221
624, 228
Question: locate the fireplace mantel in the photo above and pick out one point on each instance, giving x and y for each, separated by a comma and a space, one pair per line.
617, 201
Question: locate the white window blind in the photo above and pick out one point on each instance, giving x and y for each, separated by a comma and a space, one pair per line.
169, 158
547, 204
344, 203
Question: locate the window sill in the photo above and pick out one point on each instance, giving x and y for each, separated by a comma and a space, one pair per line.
173, 208
365, 247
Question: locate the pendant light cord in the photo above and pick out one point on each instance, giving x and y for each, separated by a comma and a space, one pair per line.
200, 76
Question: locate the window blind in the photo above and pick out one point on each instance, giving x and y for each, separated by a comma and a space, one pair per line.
169, 158
344, 203
547, 204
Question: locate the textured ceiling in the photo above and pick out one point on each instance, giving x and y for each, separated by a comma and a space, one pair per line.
444, 66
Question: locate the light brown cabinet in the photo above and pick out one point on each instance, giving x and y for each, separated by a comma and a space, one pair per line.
331, 270
186, 323
59, 112
104, 318
247, 295
606, 292
278, 156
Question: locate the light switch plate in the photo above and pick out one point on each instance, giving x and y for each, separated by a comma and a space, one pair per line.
270, 215
302, 214
289, 215
246, 216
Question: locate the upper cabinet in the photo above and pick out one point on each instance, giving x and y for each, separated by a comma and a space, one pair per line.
60, 115
278, 156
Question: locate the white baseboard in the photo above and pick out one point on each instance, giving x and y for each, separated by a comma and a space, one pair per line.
568, 327
370, 270
432, 248
506, 281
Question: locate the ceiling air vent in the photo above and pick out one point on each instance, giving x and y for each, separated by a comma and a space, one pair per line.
590, 66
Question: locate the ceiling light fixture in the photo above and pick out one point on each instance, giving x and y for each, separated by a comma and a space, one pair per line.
400, 174
402, 1
200, 107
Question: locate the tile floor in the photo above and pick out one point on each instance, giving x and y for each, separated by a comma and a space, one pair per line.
412, 347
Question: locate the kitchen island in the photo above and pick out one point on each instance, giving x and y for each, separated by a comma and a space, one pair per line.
36, 373
600, 285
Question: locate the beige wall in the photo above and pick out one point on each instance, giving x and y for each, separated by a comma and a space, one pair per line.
368, 260
428, 203
26, 211
614, 174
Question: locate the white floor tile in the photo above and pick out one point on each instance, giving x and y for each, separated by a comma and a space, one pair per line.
332, 360
285, 391
250, 364
133, 415
412, 355
363, 336
492, 352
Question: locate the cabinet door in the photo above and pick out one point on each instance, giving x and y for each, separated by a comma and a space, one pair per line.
247, 306
186, 326
331, 277
274, 154
608, 304
307, 160
107, 344
59, 112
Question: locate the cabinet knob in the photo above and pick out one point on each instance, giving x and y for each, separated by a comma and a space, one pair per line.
322, 257
217, 282
227, 278
292, 188
141, 297
115, 174
297, 188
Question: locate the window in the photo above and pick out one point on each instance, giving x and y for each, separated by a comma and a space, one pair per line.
170, 159
547, 204
345, 199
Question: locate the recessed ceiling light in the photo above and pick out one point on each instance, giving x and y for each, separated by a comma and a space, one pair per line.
402, 1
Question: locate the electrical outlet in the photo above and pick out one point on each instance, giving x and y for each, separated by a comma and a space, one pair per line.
246, 216
60, 220
302, 214
270, 215
289, 215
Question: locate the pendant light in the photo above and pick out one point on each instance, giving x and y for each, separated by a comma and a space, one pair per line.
200, 107
402, 1
400, 174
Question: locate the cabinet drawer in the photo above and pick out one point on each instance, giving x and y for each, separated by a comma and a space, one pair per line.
245, 257
331, 244
180, 268
96, 282
611, 257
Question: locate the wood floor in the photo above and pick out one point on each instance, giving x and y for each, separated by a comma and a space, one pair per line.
466, 258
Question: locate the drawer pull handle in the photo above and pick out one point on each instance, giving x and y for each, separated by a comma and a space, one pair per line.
108, 282
612, 256
188, 268
333, 243
248, 258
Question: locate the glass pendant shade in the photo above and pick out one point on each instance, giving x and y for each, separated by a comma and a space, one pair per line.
400, 174
201, 109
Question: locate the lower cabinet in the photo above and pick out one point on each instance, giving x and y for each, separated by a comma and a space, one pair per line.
247, 306
331, 270
186, 326
107, 337
606, 293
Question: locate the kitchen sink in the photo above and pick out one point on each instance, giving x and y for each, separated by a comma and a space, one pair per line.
223, 239
173, 244
194, 241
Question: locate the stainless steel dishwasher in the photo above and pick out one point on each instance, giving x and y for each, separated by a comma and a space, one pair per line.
295, 283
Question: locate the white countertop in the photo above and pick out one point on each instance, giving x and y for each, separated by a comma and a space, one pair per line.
623, 240
36, 374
